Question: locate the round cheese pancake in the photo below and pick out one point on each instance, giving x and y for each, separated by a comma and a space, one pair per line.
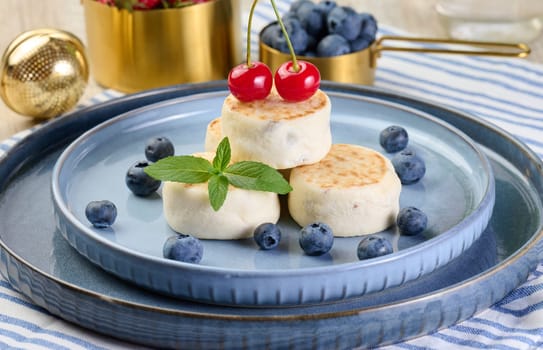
187, 210
354, 190
213, 135
276, 132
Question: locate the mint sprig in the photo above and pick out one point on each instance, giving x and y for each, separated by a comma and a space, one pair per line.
219, 174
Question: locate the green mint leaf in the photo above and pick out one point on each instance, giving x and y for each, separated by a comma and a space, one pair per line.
222, 155
256, 176
219, 174
217, 188
187, 169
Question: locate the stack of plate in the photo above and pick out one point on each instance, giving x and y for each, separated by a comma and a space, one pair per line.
482, 193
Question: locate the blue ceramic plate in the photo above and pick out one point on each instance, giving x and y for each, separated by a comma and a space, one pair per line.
457, 193
38, 261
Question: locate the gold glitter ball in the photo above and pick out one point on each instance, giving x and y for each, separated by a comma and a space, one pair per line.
44, 73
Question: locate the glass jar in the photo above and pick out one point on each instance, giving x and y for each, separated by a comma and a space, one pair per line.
492, 20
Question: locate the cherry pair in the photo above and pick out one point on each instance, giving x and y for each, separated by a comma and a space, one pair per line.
294, 81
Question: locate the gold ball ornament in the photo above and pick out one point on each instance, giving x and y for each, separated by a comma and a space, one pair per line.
43, 73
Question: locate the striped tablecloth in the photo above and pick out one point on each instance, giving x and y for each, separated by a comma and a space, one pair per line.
506, 92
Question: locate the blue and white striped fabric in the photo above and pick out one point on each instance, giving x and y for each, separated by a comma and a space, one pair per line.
506, 92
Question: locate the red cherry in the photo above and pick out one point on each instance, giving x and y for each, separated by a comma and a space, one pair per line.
249, 83
297, 86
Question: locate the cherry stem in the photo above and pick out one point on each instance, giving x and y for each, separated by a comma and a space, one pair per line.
295, 66
251, 12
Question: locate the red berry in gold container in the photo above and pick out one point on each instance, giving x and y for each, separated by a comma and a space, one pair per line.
146, 4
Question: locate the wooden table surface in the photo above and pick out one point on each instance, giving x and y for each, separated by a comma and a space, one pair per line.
415, 16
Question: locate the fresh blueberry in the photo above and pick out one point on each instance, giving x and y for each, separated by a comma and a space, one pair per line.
269, 33
411, 221
372, 247
333, 45
345, 21
183, 248
360, 43
368, 31
139, 182
409, 166
393, 138
368, 26
158, 148
326, 6
297, 4
311, 44
274, 36
298, 36
101, 214
289, 15
267, 236
316, 239
311, 18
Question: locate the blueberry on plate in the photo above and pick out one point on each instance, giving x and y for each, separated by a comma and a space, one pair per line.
316, 239
139, 182
183, 248
333, 45
345, 21
267, 236
101, 214
372, 247
411, 221
157, 148
393, 138
409, 166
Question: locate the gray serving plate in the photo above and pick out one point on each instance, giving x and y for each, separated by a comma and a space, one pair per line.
457, 193
39, 262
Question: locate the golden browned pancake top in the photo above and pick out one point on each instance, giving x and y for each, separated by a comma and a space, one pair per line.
345, 166
215, 123
215, 127
275, 108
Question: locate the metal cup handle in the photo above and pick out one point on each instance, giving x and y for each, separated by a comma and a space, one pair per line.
481, 48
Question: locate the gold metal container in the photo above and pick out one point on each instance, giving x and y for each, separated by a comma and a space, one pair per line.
359, 67
133, 51
43, 73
